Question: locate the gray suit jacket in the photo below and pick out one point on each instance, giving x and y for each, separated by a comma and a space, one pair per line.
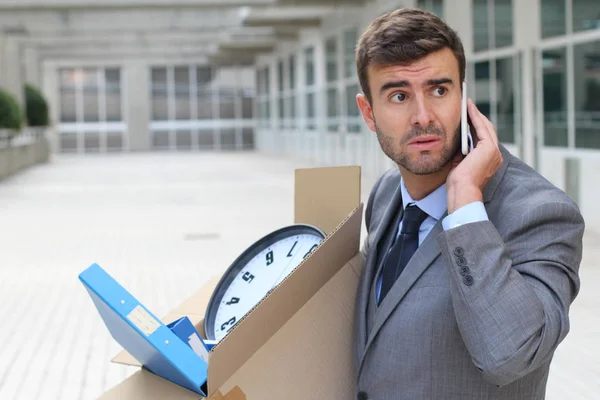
479, 310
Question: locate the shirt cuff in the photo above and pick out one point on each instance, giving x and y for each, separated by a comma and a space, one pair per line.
472, 212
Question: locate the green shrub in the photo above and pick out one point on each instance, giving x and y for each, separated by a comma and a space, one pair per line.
36, 107
11, 116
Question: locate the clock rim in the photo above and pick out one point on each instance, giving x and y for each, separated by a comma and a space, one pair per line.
233, 269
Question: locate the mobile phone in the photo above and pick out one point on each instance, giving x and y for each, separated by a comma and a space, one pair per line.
464, 122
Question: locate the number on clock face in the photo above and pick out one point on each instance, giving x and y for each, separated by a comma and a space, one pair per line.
261, 274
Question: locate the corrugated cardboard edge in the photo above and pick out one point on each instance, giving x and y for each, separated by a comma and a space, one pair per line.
234, 394
198, 301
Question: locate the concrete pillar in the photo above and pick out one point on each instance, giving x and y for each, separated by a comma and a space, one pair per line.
11, 77
50, 88
137, 104
32, 71
526, 17
458, 14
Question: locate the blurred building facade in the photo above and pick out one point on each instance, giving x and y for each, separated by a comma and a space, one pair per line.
279, 76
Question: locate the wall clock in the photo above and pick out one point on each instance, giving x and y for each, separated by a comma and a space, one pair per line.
255, 272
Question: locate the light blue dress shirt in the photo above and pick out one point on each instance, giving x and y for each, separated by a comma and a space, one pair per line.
435, 205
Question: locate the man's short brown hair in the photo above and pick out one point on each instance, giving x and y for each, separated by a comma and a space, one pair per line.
403, 36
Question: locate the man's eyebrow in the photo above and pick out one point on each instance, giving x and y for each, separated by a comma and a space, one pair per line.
402, 84
440, 81
393, 84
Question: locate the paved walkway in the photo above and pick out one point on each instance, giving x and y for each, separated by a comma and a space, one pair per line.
162, 224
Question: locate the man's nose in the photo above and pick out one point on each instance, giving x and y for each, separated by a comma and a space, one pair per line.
422, 114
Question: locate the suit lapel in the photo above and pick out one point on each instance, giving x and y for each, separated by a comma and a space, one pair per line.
372, 263
426, 254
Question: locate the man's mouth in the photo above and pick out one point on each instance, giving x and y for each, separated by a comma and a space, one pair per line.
424, 142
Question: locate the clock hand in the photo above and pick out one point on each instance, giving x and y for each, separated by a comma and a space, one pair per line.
285, 269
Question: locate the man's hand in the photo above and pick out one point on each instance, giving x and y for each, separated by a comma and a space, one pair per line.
470, 174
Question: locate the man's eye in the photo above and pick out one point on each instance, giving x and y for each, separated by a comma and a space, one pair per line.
440, 91
398, 97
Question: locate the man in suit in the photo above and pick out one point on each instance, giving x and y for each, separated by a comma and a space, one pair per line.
471, 262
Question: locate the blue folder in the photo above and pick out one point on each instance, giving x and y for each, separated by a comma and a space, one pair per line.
153, 344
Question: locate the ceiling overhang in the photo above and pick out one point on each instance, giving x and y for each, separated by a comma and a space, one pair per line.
226, 31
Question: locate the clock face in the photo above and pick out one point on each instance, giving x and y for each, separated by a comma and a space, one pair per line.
256, 272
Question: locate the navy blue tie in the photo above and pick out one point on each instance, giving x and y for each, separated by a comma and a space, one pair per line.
403, 249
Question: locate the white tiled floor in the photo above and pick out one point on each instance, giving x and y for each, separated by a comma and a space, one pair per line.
162, 224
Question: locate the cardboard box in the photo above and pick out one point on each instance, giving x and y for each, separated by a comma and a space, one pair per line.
298, 342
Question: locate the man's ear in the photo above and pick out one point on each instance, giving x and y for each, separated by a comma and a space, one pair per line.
366, 110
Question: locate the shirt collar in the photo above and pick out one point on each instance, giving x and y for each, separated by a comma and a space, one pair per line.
434, 204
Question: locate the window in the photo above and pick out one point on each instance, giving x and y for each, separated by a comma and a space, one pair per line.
280, 76
310, 96
434, 6
182, 92
291, 98
263, 99
333, 109
292, 72
311, 122
281, 103
495, 94
554, 78
196, 106
160, 108
587, 94
91, 116
309, 65
332, 93
68, 102
112, 78
91, 92
492, 24
482, 83
354, 118
504, 95
553, 18
331, 59
204, 109
586, 15
350, 39
554, 14
286, 101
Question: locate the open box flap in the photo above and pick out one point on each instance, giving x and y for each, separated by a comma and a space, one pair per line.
325, 196
193, 308
261, 323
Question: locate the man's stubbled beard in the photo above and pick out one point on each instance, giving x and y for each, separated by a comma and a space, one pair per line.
392, 148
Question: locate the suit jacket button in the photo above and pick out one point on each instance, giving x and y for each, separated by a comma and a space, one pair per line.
459, 251
461, 261
362, 396
468, 280
464, 271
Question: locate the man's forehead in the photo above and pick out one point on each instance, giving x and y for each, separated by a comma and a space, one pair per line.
411, 72
439, 62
